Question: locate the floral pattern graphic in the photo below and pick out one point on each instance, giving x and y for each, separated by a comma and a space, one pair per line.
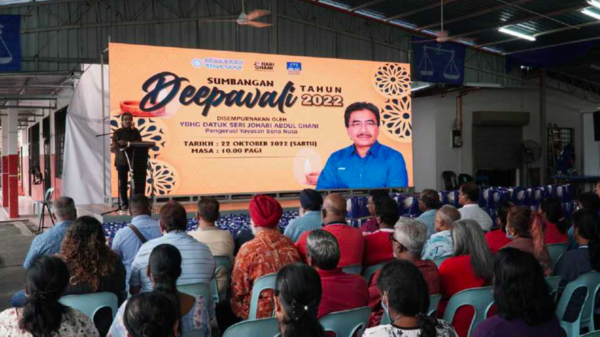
164, 176
151, 129
396, 116
392, 80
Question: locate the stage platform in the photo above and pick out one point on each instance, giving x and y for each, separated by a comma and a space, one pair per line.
227, 208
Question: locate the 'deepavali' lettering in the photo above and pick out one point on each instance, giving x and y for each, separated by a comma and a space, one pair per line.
208, 97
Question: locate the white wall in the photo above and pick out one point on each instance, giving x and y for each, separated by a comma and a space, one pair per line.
434, 154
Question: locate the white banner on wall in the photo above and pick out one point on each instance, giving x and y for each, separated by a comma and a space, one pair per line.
84, 159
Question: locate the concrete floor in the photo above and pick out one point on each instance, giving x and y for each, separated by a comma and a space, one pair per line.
15, 240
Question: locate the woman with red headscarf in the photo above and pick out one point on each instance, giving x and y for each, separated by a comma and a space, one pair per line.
527, 232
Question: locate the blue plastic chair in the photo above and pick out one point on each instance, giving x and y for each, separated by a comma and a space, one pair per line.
222, 262
196, 289
193, 333
434, 302
591, 334
556, 250
89, 304
590, 281
481, 299
371, 270
439, 260
353, 269
554, 283
266, 327
347, 323
263, 283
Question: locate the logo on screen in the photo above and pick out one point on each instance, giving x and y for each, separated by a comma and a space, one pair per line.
294, 68
197, 63
223, 64
264, 66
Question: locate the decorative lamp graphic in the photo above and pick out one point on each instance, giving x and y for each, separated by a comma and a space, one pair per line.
4, 58
426, 68
307, 167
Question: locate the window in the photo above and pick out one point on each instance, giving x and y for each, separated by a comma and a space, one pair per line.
60, 128
34, 140
559, 139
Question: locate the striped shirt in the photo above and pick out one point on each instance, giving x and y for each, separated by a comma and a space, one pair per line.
197, 264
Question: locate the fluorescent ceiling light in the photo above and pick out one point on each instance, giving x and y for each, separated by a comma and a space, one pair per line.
420, 87
516, 33
594, 3
591, 12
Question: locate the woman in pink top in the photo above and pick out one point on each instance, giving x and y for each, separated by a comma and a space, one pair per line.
470, 267
555, 227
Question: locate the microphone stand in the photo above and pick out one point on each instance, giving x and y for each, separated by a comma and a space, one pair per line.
119, 206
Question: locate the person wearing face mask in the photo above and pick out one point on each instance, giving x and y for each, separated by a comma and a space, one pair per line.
406, 298
526, 230
121, 138
366, 163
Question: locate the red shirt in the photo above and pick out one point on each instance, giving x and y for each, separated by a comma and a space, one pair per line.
341, 291
553, 235
456, 274
496, 239
370, 226
378, 247
432, 278
350, 239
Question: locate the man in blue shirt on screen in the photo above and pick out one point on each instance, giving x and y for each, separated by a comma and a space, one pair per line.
366, 163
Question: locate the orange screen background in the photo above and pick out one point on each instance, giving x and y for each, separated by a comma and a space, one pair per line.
278, 166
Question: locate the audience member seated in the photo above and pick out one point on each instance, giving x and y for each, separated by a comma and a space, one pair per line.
49, 242
524, 303
198, 264
220, 242
341, 291
151, 315
407, 299
164, 270
429, 202
297, 295
468, 197
93, 266
587, 200
408, 240
575, 262
311, 202
268, 252
555, 226
497, 238
525, 229
378, 247
42, 314
129, 239
371, 225
350, 239
440, 244
470, 267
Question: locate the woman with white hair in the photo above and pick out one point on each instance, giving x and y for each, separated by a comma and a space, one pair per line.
408, 239
470, 267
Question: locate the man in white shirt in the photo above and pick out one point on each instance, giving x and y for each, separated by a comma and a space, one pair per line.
197, 264
468, 197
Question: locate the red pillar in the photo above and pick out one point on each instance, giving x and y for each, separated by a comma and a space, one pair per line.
10, 131
5, 196
13, 186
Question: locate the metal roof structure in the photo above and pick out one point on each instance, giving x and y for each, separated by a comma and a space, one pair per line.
476, 23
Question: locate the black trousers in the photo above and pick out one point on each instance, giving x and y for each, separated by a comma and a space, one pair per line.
123, 187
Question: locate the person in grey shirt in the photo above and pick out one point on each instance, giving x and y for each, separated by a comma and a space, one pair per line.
198, 264
310, 215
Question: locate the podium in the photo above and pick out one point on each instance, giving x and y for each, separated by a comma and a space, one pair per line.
138, 164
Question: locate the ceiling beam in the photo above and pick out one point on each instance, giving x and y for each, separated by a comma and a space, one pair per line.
365, 5
419, 10
554, 45
530, 18
473, 15
548, 32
